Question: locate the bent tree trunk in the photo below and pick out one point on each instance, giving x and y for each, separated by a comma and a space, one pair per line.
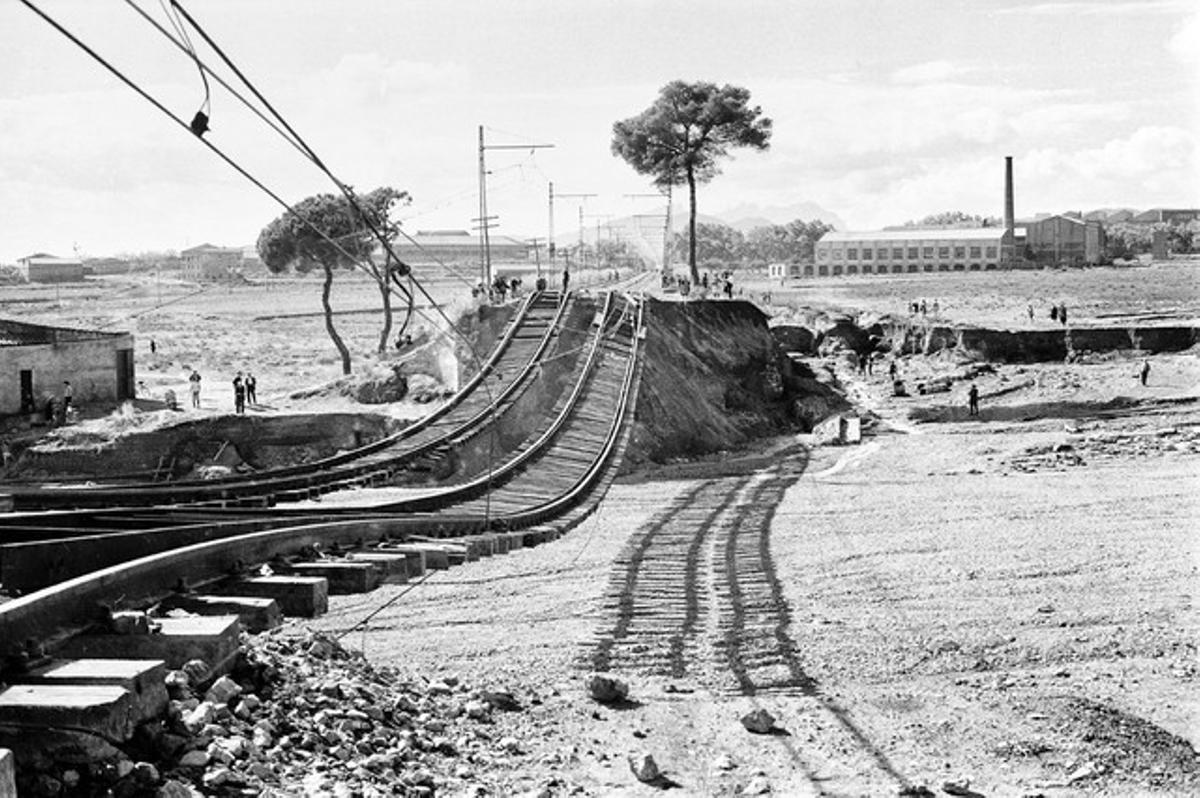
691, 181
326, 290
386, 293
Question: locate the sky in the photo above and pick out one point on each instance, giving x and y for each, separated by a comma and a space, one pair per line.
883, 111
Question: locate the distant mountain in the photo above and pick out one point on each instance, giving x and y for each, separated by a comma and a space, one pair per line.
747, 216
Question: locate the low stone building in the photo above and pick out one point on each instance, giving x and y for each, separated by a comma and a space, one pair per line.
38, 359
45, 268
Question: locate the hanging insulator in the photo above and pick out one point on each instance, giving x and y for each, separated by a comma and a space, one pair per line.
199, 124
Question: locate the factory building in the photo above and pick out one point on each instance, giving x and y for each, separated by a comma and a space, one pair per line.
1053, 240
900, 251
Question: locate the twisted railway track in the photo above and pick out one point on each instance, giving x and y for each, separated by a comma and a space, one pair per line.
552, 481
528, 338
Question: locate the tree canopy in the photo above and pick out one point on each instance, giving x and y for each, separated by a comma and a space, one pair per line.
681, 138
326, 231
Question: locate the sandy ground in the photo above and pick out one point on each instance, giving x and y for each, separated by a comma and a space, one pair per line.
948, 604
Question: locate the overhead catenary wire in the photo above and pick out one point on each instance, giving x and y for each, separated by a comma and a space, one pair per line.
363, 216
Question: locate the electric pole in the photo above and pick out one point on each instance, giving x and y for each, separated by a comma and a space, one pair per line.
485, 221
553, 197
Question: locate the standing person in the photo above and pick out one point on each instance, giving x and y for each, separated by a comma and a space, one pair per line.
194, 381
924, 308
566, 280
251, 388
153, 346
239, 394
68, 394
1062, 313
935, 307
1029, 310
973, 401
1145, 373
1054, 313
892, 370
729, 289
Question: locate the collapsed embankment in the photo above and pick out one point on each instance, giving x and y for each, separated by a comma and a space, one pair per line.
713, 378
906, 337
229, 442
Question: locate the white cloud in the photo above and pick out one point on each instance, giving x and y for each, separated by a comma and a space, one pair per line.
1185, 43
927, 72
1097, 8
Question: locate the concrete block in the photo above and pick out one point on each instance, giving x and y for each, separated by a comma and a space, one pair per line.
144, 679
257, 613
297, 596
103, 709
344, 576
516, 540
432, 558
178, 640
393, 566
8, 774
532, 537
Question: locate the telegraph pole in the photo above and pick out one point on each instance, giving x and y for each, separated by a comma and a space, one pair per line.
485, 221
553, 197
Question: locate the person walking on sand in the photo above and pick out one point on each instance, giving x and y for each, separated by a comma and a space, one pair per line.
973, 401
251, 388
1145, 373
194, 382
239, 394
1029, 310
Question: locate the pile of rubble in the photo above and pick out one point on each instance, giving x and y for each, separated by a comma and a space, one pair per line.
302, 715
1107, 446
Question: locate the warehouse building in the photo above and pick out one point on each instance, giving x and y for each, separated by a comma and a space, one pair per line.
37, 360
1063, 241
45, 268
207, 263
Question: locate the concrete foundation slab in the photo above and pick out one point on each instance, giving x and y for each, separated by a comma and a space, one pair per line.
103, 709
178, 640
297, 596
143, 678
344, 576
257, 613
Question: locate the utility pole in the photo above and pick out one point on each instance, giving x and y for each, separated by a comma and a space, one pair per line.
485, 221
537, 254
666, 256
553, 197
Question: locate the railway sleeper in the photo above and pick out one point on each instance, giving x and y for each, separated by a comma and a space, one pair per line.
344, 577
296, 596
212, 639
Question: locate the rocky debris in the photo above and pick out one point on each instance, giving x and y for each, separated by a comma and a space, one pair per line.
1100, 446
303, 711
607, 689
758, 785
759, 721
645, 769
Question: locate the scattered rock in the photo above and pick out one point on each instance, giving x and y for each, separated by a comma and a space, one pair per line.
606, 689
724, 762
759, 721
957, 787
757, 786
644, 768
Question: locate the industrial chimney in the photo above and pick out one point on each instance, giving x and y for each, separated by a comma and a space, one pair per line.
1009, 246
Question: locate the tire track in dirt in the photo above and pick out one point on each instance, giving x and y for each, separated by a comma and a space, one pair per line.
696, 593
654, 591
